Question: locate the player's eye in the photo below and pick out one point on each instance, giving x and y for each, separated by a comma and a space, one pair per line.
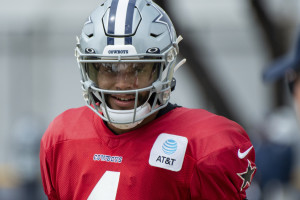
139, 67
96, 66
107, 68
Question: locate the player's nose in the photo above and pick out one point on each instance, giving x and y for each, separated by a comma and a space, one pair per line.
126, 80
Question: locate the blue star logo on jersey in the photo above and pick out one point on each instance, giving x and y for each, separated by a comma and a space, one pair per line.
163, 19
247, 175
169, 147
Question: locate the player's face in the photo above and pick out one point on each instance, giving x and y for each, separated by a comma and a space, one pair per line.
125, 76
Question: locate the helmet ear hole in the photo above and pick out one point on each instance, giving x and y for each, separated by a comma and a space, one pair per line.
152, 98
96, 99
173, 84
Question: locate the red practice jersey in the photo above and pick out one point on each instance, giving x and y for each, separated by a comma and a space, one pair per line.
183, 154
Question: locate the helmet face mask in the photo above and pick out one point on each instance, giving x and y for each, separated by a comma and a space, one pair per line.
126, 78
123, 76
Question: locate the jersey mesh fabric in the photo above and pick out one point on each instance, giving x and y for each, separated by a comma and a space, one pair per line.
210, 168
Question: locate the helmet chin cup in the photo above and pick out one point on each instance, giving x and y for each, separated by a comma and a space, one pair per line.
126, 119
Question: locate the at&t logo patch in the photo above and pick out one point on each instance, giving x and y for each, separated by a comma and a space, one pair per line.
169, 147
168, 152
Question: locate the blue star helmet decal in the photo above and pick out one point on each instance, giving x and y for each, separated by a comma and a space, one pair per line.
163, 19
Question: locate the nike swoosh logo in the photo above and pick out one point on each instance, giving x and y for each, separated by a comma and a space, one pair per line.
244, 154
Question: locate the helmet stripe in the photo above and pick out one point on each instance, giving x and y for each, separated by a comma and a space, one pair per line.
111, 21
120, 21
129, 21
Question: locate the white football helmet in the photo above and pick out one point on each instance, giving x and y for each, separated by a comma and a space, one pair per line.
124, 40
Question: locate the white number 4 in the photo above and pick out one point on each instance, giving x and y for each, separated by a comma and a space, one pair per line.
107, 186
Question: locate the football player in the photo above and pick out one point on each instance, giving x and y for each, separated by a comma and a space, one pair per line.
129, 142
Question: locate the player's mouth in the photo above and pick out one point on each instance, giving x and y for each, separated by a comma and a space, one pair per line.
122, 102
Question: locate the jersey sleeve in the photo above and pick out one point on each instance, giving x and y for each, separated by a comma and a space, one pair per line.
225, 174
45, 174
